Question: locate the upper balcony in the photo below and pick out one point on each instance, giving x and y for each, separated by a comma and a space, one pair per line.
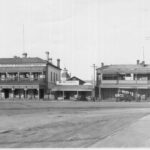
22, 81
125, 82
116, 80
22, 78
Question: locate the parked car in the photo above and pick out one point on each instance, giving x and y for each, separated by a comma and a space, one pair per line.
124, 97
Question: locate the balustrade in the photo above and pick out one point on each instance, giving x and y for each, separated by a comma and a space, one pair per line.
128, 82
21, 79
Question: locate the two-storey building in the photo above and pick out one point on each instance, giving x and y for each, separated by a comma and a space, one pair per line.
134, 78
27, 77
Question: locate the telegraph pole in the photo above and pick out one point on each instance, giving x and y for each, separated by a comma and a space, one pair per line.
23, 40
143, 54
94, 68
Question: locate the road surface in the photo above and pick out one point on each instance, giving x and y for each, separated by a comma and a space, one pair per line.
74, 124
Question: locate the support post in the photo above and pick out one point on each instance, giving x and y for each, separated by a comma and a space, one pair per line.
0, 93
38, 90
13, 93
94, 67
18, 76
63, 95
30, 76
25, 93
6, 76
100, 96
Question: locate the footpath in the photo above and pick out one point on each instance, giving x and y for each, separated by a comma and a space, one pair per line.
136, 135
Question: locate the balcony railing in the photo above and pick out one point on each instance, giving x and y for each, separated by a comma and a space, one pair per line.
20, 80
109, 81
128, 82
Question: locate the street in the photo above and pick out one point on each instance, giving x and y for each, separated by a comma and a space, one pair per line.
72, 124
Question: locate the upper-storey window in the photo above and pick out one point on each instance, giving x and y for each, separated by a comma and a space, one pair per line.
110, 76
54, 77
51, 76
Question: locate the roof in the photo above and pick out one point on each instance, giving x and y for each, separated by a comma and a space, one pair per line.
76, 79
115, 69
18, 60
53, 65
28, 60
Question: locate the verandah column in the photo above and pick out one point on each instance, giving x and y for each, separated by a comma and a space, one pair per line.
38, 90
63, 94
77, 93
13, 93
25, 93
0, 92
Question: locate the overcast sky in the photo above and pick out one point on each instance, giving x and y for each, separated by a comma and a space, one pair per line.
79, 32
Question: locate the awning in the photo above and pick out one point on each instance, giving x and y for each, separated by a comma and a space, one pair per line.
73, 88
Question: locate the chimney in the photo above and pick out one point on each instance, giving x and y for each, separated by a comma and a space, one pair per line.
58, 63
50, 60
47, 55
24, 55
138, 62
102, 64
143, 62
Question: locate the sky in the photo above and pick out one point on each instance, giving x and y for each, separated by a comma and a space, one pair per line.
79, 32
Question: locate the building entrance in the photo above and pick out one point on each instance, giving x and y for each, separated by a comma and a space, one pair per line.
41, 93
6, 93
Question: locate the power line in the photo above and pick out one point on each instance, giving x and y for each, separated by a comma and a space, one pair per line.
23, 40
143, 54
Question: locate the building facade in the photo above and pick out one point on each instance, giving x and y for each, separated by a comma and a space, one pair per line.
27, 77
72, 88
133, 79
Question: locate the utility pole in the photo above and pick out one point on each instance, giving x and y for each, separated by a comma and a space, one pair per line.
143, 54
94, 68
23, 40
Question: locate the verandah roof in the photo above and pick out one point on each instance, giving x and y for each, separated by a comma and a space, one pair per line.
72, 88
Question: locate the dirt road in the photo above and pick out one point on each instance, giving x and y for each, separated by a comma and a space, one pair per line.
50, 124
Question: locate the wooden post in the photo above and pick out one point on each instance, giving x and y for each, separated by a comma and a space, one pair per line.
100, 96
38, 90
77, 93
25, 93
63, 95
13, 93
18, 76
30, 76
0, 93
6, 76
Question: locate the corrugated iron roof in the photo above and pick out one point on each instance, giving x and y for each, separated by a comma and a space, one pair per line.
19, 60
74, 78
114, 69
28, 60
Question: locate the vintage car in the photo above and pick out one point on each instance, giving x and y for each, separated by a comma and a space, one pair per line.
124, 97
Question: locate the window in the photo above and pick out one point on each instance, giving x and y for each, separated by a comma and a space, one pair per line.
51, 76
56, 78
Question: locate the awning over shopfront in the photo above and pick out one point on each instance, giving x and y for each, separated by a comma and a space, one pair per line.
73, 88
